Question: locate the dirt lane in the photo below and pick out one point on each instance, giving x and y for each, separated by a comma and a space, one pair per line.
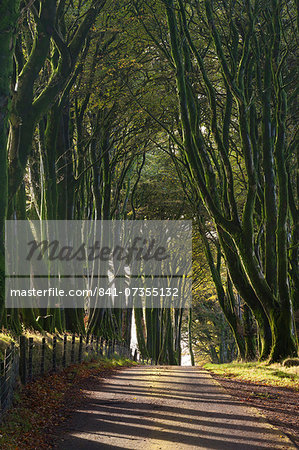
166, 407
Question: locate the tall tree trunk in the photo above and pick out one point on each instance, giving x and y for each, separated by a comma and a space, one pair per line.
9, 12
271, 291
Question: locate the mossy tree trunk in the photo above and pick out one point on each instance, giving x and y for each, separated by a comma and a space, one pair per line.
240, 72
27, 107
9, 13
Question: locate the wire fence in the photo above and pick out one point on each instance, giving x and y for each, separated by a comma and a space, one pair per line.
33, 358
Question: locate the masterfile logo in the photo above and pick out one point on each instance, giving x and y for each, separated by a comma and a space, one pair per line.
102, 263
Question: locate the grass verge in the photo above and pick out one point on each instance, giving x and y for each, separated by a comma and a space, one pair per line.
45, 403
259, 373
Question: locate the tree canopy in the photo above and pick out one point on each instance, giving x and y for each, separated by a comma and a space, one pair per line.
173, 109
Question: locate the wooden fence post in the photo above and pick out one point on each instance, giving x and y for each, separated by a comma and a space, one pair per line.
87, 344
42, 361
80, 348
30, 358
54, 354
4, 379
91, 344
12, 371
73, 349
64, 350
1, 385
22, 366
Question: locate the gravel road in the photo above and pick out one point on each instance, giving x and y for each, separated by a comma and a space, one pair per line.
166, 407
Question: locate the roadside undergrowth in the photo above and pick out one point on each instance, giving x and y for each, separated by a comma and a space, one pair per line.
42, 405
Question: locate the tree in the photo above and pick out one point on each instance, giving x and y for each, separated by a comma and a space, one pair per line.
240, 59
9, 13
28, 105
